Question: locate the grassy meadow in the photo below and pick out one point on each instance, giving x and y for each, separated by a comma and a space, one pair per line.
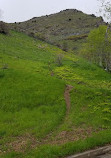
33, 120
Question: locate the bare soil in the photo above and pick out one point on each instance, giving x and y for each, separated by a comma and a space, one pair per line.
21, 143
67, 97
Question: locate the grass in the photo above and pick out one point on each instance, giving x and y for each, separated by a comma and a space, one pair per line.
30, 98
33, 106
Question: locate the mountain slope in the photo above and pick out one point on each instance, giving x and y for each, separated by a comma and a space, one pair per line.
34, 121
69, 26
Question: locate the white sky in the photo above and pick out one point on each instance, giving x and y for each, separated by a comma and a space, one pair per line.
21, 10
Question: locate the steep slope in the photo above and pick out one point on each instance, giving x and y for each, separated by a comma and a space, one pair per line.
34, 122
69, 26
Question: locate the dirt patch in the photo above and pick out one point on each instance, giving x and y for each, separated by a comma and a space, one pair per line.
67, 97
28, 142
71, 136
22, 143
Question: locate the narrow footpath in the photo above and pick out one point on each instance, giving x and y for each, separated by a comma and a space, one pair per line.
67, 97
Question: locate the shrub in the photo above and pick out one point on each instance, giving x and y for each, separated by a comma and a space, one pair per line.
31, 34
65, 46
59, 60
58, 45
4, 28
40, 36
70, 19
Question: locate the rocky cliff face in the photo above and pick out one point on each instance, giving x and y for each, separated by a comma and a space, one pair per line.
68, 26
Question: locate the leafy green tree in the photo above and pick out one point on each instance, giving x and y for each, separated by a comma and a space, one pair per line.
98, 47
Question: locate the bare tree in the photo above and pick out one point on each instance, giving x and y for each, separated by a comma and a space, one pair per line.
105, 9
4, 28
1, 14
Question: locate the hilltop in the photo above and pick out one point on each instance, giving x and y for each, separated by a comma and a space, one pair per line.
66, 29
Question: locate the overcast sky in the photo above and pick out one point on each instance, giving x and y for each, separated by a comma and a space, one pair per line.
21, 10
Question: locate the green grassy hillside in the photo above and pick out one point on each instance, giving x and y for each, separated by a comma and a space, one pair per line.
34, 122
59, 28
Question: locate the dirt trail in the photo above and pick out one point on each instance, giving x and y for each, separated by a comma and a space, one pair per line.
67, 97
